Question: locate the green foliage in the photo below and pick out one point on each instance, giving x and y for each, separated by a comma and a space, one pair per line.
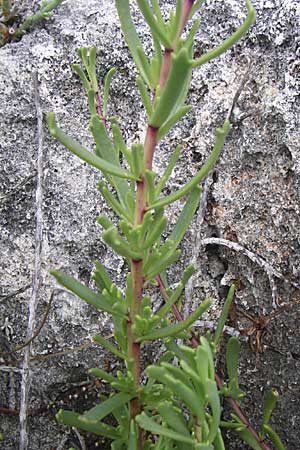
9, 15
178, 403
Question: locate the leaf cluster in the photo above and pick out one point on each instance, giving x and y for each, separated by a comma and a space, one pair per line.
178, 405
13, 28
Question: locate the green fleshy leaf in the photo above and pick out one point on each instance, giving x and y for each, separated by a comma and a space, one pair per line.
149, 424
186, 216
275, 438
221, 134
150, 185
92, 298
108, 345
137, 159
83, 153
176, 22
106, 150
190, 38
113, 202
102, 410
144, 96
224, 314
231, 40
248, 437
173, 330
179, 73
188, 272
115, 241
155, 26
107, 82
155, 233
119, 141
73, 420
182, 110
214, 401
173, 417
133, 436
211, 367
218, 442
232, 352
159, 262
132, 38
102, 375
82, 76
196, 6
102, 277
269, 405
168, 171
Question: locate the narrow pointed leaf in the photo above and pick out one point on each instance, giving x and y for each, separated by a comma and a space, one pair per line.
82, 76
155, 233
73, 420
176, 24
232, 352
113, 202
162, 262
103, 276
214, 400
85, 154
221, 134
269, 405
196, 6
224, 314
119, 141
182, 110
107, 81
186, 216
131, 36
95, 299
173, 330
155, 27
133, 436
100, 411
109, 153
102, 375
275, 438
108, 345
114, 240
188, 272
149, 424
144, 96
179, 73
231, 40
218, 442
168, 171
173, 417
248, 437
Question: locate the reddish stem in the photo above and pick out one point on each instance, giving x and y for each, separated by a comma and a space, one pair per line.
99, 109
140, 208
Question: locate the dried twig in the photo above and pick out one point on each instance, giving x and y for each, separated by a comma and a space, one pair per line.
17, 188
203, 205
10, 369
39, 328
14, 293
197, 245
270, 270
26, 376
80, 438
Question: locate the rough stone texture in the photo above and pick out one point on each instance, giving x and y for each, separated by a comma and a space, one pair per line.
253, 199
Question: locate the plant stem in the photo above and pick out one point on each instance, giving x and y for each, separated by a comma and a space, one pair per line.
140, 208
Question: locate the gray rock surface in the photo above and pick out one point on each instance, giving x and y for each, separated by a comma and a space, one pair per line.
253, 200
